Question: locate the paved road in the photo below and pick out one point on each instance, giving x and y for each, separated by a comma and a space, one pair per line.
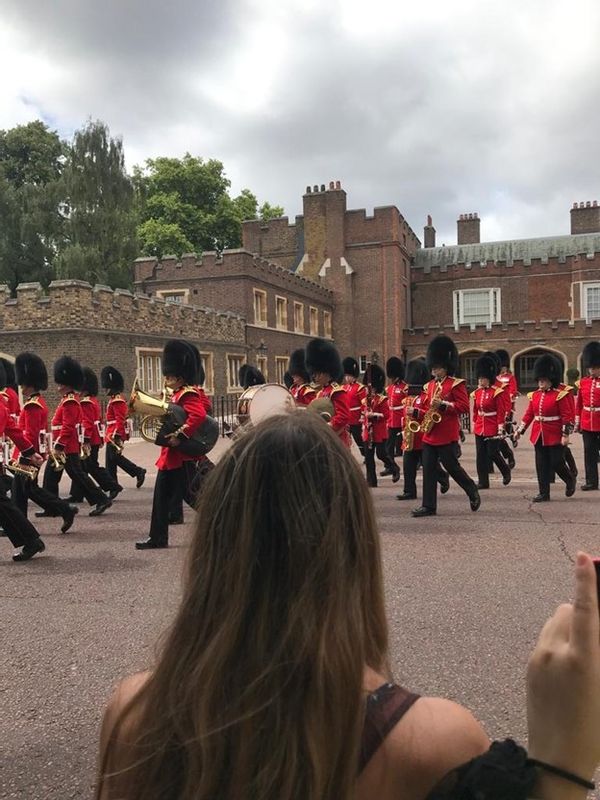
466, 596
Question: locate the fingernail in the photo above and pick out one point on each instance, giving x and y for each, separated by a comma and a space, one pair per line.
580, 559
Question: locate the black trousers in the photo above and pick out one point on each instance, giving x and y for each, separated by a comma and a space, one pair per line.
52, 477
489, 450
392, 441
447, 455
171, 486
591, 451
25, 489
550, 460
356, 433
115, 459
92, 467
411, 459
18, 528
379, 449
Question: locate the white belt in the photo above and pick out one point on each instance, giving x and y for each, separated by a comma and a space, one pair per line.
591, 408
355, 408
546, 419
487, 413
396, 408
56, 427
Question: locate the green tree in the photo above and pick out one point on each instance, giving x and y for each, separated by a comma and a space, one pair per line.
100, 216
190, 199
267, 212
31, 161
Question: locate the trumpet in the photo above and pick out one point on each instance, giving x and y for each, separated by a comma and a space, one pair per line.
28, 471
431, 416
58, 459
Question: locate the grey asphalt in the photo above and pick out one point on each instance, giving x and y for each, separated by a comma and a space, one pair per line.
467, 594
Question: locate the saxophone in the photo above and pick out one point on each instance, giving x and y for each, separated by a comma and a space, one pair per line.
432, 416
411, 426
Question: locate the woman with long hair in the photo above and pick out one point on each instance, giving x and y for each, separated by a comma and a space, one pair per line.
273, 681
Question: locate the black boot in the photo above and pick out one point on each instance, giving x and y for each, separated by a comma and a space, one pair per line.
29, 552
150, 544
69, 518
423, 511
141, 477
541, 498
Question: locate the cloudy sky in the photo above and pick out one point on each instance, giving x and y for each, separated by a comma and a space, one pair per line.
440, 107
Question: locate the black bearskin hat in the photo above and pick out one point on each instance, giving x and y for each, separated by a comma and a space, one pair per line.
549, 367
395, 368
200, 374
90, 382
111, 379
250, 376
486, 367
30, 370
495, 358
179, 360
417, 373
376, 377
297, 365
350, 367
442, 352
10, 373
504, 357
68, 372
288, 380
322, 356
591, 355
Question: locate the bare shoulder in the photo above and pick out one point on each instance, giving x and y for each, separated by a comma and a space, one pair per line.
125, 691
435, 737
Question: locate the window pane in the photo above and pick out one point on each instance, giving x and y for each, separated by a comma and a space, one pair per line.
593, 302
476, 307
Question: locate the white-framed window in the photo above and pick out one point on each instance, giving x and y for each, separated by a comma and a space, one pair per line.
149, 370
298, 317
281, 365
314, 321
477, 306
590, 301
260, 307
234, 362
262, 362
362, 363
209, 372
280, 312
327, 324
179, 296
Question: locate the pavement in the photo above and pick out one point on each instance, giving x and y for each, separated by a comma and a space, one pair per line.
467, 594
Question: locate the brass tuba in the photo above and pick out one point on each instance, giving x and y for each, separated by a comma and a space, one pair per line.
149, 407
322, 406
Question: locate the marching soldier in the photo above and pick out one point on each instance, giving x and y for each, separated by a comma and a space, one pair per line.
412, 438
10, 391
552, 412
18, 528
397, 392
323, 363
490, 408
445, 400
176, 470
116, 432
508, 380
587, 413
32, 377
300, 387
357, 392
92, 440
68, 376
375, 417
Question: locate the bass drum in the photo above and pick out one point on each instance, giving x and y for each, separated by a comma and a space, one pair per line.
263, 401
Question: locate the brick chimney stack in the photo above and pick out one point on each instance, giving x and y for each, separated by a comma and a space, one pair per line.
585, 217
468, 229
429, 233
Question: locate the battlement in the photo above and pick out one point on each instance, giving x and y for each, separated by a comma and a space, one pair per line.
385, 224
239, 263
77, 304
524, 329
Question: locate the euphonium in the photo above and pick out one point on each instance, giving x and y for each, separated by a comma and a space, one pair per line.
432, 416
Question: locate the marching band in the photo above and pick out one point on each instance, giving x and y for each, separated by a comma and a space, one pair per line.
418, 415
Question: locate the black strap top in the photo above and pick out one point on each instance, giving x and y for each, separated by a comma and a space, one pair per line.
385, 708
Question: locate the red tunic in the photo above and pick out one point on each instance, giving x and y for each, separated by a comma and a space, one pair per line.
206, 402
356, 394
489, 410
454, 392
303, 393
412, 402
188, 397
397, 392
8, 427
587, 409
91, 420
379, 406
341, 413
549, 411
33, 419
12, 401
65, 424
509, 381
116, 419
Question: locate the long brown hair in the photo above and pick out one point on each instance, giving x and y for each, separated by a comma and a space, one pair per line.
258, 690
